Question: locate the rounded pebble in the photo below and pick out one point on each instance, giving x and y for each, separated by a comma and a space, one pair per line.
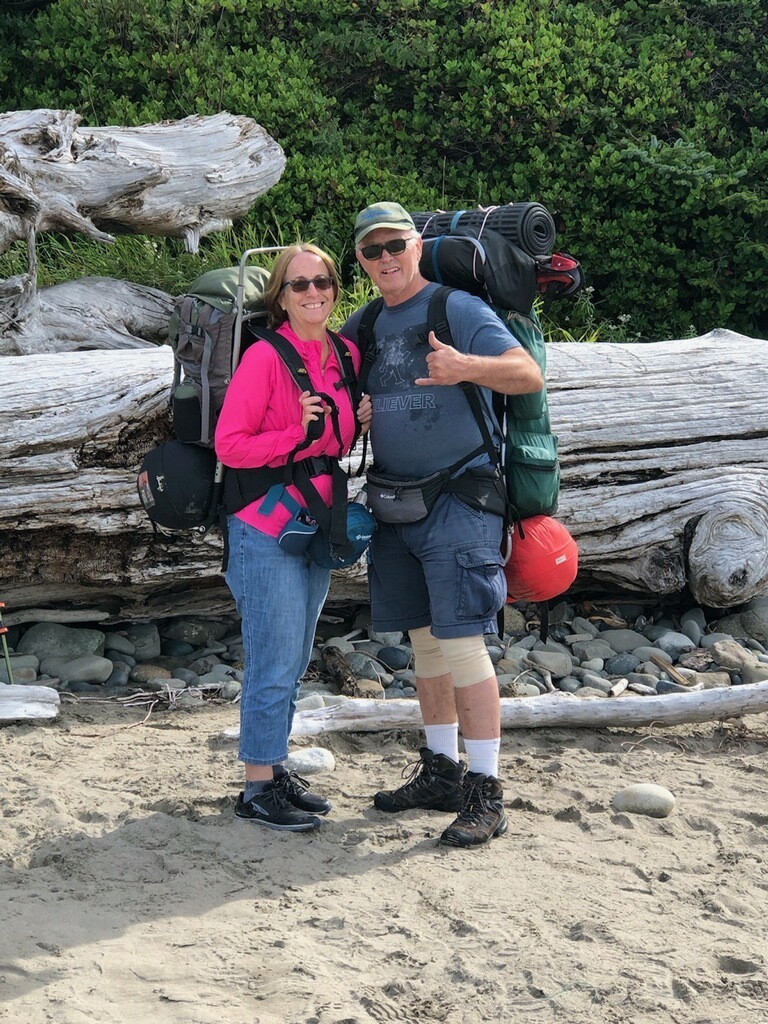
186, 676
118, 643
645, 798
119, 675
340, 644
364, 666
311, 702
203, 665
230, 690
310, 761
175, 648
621, 664
569, 684
145, 673
22, 676
387, 639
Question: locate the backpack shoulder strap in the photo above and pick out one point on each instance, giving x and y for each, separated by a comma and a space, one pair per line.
344, 356
437, 315
332, 522
290, 358
367, 341
437, 321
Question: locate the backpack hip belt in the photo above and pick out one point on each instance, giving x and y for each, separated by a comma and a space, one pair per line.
393, 500
242, 486
480, 491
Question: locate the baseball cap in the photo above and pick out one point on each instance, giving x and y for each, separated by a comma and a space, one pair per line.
382, 215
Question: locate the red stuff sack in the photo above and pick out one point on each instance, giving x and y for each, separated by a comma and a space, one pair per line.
543, 562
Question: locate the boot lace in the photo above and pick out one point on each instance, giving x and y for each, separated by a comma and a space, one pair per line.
420, 774
474, 802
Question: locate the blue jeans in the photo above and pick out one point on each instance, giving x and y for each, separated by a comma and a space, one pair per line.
279, 598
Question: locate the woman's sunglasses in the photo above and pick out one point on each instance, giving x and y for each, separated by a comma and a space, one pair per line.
321, 282
393, 247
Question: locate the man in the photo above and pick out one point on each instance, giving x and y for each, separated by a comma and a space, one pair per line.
441, 578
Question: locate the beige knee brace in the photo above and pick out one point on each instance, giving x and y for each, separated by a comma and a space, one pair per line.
465, 658
468, 659
427, 657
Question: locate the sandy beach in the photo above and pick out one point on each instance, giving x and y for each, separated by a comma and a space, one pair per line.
130, 893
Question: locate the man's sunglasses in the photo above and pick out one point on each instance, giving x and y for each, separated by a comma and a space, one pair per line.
393, 247
321, 282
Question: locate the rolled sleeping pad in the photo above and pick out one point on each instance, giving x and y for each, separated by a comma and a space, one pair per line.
528, 225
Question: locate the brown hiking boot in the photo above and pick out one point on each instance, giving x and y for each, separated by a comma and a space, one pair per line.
481, 815
434, 784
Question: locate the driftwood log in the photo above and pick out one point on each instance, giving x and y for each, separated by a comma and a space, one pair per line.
182, 179
663, 446
20, 702
91, 313
664, 449
665, 478
552, 710
76, 422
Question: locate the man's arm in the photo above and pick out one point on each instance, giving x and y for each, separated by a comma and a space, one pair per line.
513, 372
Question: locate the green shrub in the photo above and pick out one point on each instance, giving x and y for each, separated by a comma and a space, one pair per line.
643, 127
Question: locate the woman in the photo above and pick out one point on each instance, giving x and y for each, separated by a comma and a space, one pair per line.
279, 595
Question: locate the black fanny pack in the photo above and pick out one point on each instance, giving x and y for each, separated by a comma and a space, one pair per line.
404, 501
409, 501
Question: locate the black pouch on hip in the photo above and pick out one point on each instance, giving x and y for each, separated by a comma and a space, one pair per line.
404, 501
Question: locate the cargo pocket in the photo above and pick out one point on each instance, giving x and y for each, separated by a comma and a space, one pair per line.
533, 473
482, 587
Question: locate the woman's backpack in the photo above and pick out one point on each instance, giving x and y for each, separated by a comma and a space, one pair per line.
201, 333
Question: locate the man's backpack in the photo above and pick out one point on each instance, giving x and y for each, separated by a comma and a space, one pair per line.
502, 253
530, 226
202, 333
489, 266
529, 462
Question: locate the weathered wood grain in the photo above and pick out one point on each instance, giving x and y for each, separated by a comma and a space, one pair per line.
664, 451
552, 710
665, 476
182, 179
24, 702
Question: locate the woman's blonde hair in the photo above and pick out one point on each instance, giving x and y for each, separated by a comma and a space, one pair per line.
276, 315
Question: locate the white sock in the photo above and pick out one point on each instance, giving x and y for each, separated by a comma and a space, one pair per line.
443, 739
483, 756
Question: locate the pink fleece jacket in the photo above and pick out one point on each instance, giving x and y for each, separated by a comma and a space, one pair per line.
260, 422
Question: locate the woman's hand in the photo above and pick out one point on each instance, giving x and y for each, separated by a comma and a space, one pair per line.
312, 408
365, 413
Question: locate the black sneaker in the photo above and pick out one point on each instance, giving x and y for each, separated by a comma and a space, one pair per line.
296, 790
481, 816
434, 784
271, 807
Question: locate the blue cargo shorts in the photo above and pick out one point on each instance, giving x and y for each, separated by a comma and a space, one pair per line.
445, 572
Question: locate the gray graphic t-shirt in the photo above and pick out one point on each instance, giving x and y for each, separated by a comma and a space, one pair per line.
419, 429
